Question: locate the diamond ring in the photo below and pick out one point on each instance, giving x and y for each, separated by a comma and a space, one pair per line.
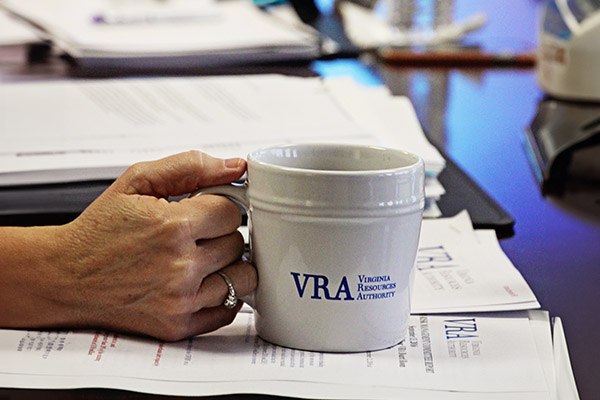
231, 300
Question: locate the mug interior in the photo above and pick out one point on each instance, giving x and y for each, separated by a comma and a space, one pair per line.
335, 157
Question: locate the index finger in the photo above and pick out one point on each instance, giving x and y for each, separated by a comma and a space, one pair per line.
179, 174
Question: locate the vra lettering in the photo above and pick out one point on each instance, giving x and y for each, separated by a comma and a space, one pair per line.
461, 328
320, 287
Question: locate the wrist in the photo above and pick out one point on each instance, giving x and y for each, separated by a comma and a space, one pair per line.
37, 288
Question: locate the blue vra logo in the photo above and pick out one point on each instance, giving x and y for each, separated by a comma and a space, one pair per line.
320, 286
461, 328
368, 287
434, 257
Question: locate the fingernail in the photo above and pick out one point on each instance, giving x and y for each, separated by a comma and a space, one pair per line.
233, 163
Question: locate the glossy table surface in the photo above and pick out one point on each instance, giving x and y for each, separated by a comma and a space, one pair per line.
481, 122
478, 117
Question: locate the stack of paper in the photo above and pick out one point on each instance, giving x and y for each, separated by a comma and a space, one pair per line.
174, 33
443, 357
392, 117
86, 130
459, 269
503, 355
14, 31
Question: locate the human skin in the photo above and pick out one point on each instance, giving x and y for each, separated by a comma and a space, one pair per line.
133, 261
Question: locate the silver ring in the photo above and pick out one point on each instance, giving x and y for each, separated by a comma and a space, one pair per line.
231, 300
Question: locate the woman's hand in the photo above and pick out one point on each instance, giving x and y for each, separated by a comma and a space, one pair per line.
135, 262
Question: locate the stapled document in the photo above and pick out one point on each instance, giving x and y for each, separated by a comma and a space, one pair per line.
461, 356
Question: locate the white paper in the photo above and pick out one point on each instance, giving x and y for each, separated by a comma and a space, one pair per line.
460, 269
368, 29
434, 187
381, 113
458, 353
221, 32
14, 31
539, 321
565, 381
73, 131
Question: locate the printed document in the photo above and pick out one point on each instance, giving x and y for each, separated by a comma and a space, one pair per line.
174, 33
470, 356
85, 130
459, 269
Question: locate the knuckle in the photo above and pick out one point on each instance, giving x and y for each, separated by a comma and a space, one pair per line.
137, 171
195, 157
175, 287
137, 168
180, 287
173, 326
208, 256
173, 332
168, 307
174, 231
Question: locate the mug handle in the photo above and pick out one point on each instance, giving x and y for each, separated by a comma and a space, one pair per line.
239, 194
234, 191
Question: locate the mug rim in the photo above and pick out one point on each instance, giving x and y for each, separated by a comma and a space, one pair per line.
253, 158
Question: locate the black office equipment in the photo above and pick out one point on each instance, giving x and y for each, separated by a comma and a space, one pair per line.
564, 143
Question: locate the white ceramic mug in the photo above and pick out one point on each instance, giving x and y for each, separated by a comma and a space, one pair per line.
334, 231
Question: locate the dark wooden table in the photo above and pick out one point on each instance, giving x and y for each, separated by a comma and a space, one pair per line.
478, 117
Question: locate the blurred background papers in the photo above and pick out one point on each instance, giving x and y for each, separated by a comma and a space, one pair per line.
431, 32
134, 33
396, 23
14, 31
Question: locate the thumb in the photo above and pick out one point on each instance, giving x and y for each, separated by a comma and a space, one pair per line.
179, 174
